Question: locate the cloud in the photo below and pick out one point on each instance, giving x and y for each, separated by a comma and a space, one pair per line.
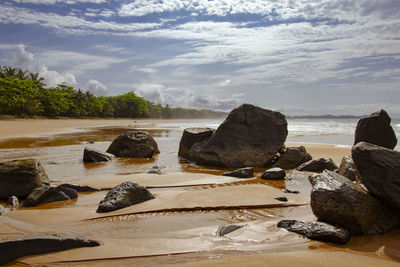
177, 97
26, 60
97, 88
52, 2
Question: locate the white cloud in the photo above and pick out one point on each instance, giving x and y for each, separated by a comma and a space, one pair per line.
26, 60
97, 88
52, 2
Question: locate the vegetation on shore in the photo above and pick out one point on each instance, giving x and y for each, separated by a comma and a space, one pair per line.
23, 93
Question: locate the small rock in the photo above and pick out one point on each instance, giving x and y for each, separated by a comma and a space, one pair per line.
17, 248
13, 202
335, 199
347, 168
241, 173
155, 169
376, 129
80, 188
134, 145
288, 191
124, 195
273, 174
2, 209
317, 231
91, 155
226, 229
44, 195
318, 165
283, 199
292, 157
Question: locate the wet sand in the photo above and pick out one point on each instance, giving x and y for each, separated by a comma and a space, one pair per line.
192, 202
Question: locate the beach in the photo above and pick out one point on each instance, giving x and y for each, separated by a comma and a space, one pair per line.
178, 227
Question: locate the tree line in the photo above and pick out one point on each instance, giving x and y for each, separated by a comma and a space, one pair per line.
23, 93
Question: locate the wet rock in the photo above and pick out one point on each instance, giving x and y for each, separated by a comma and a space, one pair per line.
91, 155
347, 168
379, 170
44, 195
273, 174
155, 169
190, 137
376, 129
335, 199
17, 248
288, 191
292, 158
318, 165
226, 229
283, 199
13, 202
134, 145
124, 195
247, 172
80, 188
250, 136
19, 178
317, 231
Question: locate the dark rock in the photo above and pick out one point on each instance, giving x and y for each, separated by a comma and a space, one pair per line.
91, 155
19, 178
155, 169
44, 195
134, 145
288, 191
376, 129
292, 158
283, 199
226, 229
80, 188
317, 231
273, 174
379, 170
124, 195
17, 248
347, 168
335, 199
241, 173
318, 165
250, 136
190, 137
13, 202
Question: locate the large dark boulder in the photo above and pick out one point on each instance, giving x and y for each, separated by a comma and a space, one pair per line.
19, 178
319, 231
193, 139
347, 168
376, 129
17, 248
124, 195
247, 172
134, 145
90, 155
318, 165
292, 158
336, 200
250, 136
379, 170
48, 194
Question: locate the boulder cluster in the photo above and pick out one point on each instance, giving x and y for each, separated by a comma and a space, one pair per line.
363, 195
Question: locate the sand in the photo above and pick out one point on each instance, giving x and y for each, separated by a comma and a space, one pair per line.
179, 226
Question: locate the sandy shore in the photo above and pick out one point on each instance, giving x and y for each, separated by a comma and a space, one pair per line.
196, 205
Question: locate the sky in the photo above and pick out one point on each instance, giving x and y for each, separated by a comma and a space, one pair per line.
298, 57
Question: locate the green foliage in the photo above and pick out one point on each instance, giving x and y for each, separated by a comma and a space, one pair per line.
24, 93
